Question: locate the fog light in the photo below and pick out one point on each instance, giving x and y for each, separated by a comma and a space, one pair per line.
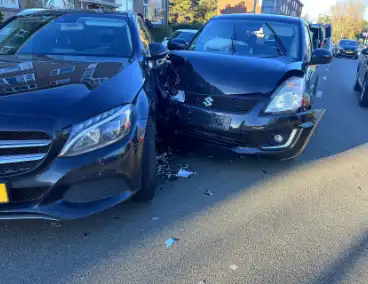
278, 139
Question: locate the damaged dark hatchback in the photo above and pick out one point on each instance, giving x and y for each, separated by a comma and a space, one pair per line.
77, 130
245, 83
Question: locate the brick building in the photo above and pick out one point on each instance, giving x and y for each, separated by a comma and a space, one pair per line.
237, 6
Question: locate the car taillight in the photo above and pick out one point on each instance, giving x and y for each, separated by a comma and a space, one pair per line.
322, 44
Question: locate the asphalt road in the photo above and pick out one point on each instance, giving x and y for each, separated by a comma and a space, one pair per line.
301, 221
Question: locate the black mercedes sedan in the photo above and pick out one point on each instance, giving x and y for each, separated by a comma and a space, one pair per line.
77, 130
246, 83
347, 48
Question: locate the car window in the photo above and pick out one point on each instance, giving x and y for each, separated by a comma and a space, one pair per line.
248, 38
144, 35
349, 42
70, 34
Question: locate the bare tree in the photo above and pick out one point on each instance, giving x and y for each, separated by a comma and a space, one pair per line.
347, 19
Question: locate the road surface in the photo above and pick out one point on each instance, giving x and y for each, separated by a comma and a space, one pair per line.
301, 221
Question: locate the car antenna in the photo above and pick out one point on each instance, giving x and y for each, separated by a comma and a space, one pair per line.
233, 39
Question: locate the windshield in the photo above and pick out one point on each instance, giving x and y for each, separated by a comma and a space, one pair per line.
187, 36
249, 38
348, 42
70, 34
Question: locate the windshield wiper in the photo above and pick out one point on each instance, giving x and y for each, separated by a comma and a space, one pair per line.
279, 45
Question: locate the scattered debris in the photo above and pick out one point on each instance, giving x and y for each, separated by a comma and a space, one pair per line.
264, 172
56, 224
155, 218
85, 234
209, 193
170, 172
184, 173
170, 241
202, 282
211, 157
359, 188
233, 267
116, 217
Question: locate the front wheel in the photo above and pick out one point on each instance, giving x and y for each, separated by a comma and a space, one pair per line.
363, 100
357, 86
148, 188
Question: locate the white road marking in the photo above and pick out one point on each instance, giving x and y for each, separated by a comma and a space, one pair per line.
319, 94
324, 78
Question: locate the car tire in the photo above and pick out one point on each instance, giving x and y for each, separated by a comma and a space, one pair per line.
363, 99
357, 86
148, 186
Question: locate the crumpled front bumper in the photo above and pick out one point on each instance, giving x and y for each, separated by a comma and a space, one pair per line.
250, 134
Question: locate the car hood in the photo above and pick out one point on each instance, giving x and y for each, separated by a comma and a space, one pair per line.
64, 90
208, 73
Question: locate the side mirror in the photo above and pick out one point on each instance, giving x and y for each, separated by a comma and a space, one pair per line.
157, 51
364, 51
321, 56
177, 44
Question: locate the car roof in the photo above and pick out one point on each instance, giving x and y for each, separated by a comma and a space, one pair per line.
66, 11
261, 17
187, 30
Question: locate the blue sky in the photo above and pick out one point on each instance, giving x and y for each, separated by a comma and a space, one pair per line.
323, 7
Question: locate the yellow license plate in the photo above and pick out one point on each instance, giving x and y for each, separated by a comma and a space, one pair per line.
349, 52
4, 198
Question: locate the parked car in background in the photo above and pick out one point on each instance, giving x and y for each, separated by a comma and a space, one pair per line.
186, 34
347, 48
245, 83
77, 127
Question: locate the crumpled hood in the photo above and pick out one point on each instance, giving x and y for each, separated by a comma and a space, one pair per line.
209, 73
65, 90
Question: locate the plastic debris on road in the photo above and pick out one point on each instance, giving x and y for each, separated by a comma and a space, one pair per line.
171, 172
155, 218
170, 241
233, 267
208, 193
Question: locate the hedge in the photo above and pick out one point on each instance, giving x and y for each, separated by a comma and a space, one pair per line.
159, 32
191, 26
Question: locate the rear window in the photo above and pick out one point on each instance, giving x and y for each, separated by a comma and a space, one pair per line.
248, 38
349, 42
187, 36
70, 34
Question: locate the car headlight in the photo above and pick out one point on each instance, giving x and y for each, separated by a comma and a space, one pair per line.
99, 131
288, 97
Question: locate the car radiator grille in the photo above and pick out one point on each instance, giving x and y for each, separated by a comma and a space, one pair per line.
22, 151
227, 103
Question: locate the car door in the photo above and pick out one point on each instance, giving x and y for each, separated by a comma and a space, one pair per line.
311, 77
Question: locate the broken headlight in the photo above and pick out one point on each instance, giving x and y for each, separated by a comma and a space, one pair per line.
288, 97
